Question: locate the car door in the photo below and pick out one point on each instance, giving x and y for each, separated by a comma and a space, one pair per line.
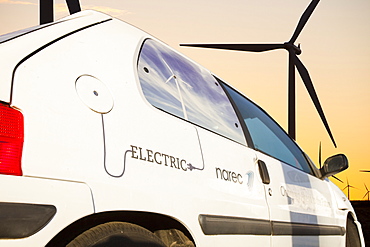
228, 200
236, 195
300, 204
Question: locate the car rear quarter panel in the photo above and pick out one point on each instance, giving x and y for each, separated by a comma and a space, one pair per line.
63, 137
72, 201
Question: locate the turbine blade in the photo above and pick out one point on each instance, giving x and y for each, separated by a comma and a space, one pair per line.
46, 11
364, 171
304, 18
73, 6
311, 90
240, 47
320, 155
366, 188
337, 179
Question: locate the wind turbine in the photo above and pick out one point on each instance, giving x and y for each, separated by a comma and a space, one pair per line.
367, 193
294, 62
348, 187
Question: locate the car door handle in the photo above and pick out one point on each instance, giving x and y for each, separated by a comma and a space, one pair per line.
263, 172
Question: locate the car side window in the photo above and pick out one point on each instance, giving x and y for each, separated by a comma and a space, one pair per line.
267, 136
180, 87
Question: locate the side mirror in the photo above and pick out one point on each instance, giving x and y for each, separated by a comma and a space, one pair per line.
334, 165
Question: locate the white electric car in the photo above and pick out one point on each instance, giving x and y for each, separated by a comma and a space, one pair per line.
108, 137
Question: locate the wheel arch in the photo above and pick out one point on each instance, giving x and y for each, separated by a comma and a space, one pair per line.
148, 220
351, 216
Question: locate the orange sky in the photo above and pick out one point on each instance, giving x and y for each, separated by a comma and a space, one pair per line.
336, 51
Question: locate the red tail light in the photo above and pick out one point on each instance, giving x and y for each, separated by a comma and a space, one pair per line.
11, 140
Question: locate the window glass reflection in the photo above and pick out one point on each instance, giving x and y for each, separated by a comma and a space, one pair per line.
176, 85
266, 134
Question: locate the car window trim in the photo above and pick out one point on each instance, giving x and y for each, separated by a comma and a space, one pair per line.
247, 135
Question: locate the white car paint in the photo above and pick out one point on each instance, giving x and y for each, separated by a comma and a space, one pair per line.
111, 150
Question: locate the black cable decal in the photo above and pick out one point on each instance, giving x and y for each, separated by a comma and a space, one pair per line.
105, 154
190, 166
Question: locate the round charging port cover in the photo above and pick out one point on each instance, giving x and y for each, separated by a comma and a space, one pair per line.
94, 94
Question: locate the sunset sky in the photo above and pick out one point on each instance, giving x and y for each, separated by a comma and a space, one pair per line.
336, 51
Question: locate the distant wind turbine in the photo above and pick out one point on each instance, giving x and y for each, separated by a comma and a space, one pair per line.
348, 187
367, 193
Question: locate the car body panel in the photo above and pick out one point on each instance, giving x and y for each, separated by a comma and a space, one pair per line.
104, 147
73, 200
15, 49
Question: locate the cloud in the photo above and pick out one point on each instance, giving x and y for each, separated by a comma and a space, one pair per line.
108, 10
62, 8
16, 2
